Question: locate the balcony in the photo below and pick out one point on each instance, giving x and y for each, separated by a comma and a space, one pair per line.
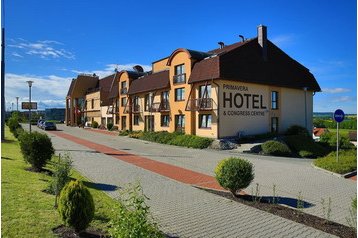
124, 91
160, 107
179, 78
136, 109
200, 104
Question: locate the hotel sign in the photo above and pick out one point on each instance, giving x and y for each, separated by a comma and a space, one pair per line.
239, 101
26, 105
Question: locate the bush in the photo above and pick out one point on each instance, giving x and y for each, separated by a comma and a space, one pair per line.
297, 130
94, 124
136, 134
18, 131
124, 133
115, 128
178, 139
330, 139
76, 206
133, 218
347, 162
305, 147
234, 174
109, 126
13, 124
36, 149
60, 176
276, 148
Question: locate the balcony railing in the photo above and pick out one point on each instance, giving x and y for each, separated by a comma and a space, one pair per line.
200, 104
179, 78
136, 109
162, 106
124, 91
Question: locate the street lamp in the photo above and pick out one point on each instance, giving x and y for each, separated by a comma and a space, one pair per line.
30, 85
17, 104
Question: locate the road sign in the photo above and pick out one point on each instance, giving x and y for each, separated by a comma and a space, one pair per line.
26, 105
338, 115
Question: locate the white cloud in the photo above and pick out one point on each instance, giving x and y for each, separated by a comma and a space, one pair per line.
48, 91
43, 49
109, 69
17, 55
282, 40
344, 99
335, 90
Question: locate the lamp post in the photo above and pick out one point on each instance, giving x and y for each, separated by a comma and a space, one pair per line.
17, 104
30, 85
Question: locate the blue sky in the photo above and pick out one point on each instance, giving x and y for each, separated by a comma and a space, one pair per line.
50, 42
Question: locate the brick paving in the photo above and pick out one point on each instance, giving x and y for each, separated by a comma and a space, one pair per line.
181, 210
291, 176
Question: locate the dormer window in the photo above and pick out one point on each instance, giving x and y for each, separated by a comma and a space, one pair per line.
179, 74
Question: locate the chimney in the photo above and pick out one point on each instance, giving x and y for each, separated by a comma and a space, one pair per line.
221, 44
262, 40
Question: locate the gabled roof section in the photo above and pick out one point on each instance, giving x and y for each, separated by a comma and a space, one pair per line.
114, 91
244, 63
151, 82
105, 85
71, 87
197, 55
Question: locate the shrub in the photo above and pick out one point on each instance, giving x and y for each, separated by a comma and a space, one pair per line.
133, 218
60, 176
36, 149
330, 139
13, 124
94, 124
18, 131
276, 148
109, 126
136, 134
76, 206
305, 146
297, 130
234, 174
347, 162
115, 128
124, 133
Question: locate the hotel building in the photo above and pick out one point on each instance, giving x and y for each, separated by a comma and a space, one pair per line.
249, 87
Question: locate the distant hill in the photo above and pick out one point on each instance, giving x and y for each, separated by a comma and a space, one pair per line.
328, 114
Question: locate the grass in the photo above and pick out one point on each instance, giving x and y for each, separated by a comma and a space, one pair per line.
343, 132
347, 162
26, 211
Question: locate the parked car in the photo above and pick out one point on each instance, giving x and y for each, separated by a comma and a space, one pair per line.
47, 125
39, 123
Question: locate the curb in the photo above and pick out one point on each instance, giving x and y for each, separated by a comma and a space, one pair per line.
347, 175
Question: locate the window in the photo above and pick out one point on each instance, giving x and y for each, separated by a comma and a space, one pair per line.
179, 94
205, 121
274, 124
148, 101
164, 120
179, 74
124, 87
274, 100
164, 101
180, 123
136, 120
123, 102
92, 103
205, 92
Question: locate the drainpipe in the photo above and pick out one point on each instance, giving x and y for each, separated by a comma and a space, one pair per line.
305, 89
218, 110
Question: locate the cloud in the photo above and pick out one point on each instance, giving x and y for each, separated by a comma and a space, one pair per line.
109, 69
48, 91
283, 40
44, 49
344, 99
17, 55
335, 90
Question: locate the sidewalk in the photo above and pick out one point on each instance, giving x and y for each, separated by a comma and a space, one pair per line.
181, 210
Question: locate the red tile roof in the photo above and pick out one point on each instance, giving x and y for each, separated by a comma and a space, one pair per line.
319, 131
151, 82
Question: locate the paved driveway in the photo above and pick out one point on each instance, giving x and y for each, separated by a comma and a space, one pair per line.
188, 212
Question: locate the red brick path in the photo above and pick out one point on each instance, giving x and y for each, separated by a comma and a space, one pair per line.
171, 171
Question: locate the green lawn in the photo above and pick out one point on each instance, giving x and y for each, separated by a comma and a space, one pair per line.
26, 211
343, 132
347, 162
